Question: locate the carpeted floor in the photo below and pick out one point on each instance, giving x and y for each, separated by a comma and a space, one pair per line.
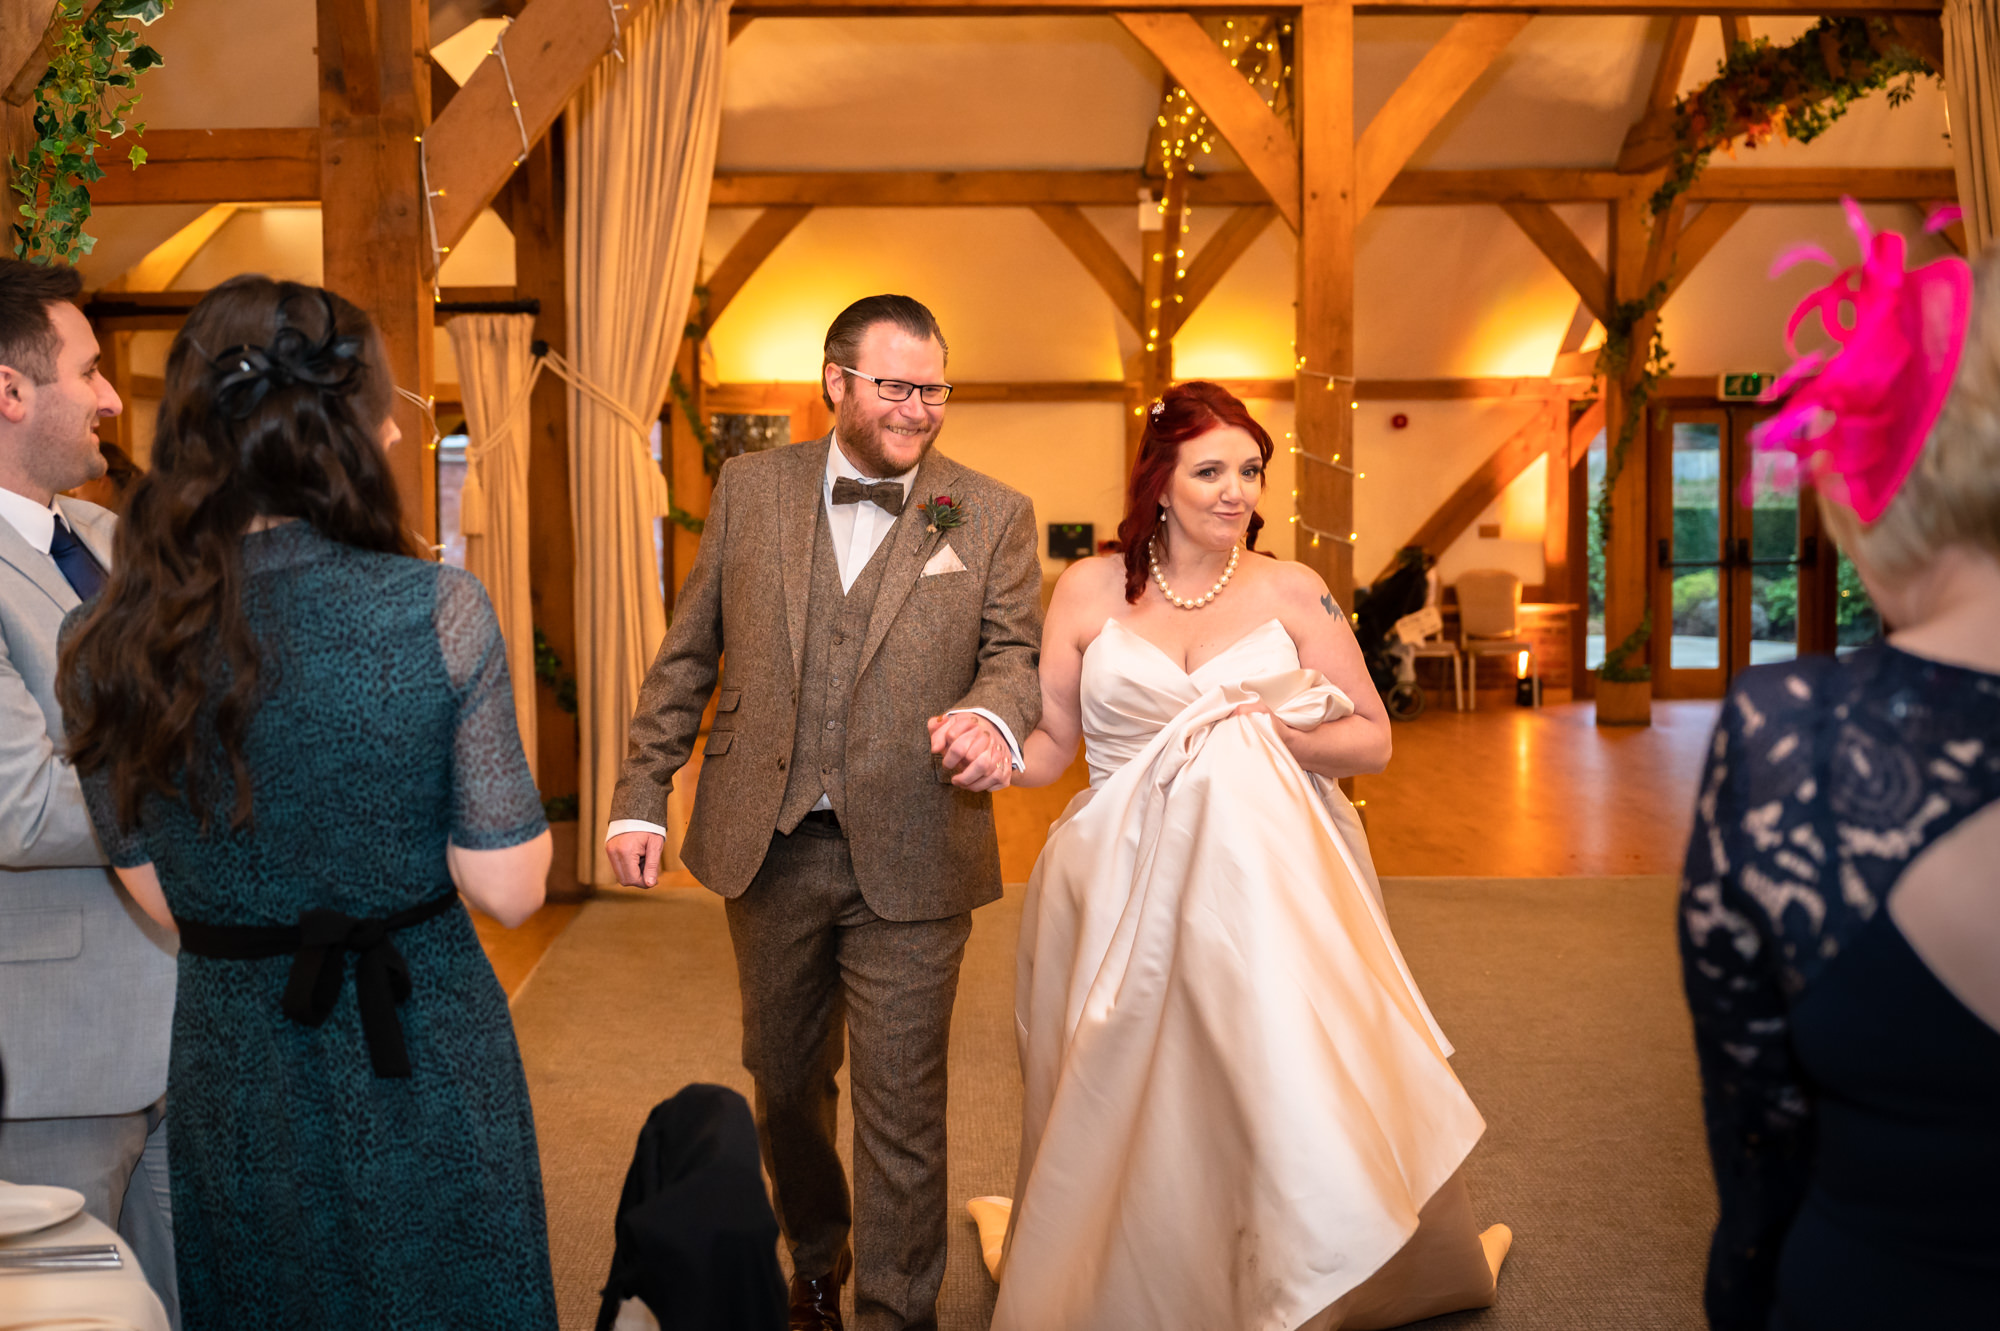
1562, 996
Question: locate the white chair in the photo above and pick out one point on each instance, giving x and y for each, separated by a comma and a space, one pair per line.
1489, 623
1436, 645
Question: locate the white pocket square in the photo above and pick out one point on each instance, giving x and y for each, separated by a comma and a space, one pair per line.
946, 560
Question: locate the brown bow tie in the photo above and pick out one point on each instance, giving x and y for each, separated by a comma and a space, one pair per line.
886, 495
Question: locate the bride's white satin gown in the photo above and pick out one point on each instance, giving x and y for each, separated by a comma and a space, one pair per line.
1236, 1101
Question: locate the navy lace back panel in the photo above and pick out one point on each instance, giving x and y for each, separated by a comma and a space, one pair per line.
1853, 1103
308, 1192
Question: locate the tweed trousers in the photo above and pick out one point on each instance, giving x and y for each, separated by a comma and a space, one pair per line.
815, 964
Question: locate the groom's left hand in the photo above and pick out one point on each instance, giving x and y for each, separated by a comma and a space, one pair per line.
973, 750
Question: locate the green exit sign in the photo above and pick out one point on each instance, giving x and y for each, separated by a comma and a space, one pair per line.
1743, 387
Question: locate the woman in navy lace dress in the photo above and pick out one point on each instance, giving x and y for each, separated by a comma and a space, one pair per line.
297, 742
1840, 911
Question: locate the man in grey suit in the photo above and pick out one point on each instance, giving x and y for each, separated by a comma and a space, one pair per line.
86, 981
873, 609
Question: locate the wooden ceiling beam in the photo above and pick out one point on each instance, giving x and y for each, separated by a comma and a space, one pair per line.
1193, 59
1561, 247
1237, 8
1463, 506
745, 257
1099, 258
1698, 237
1447, 71
282, 166
213, 166
1238, 232
1673, 63
473, 144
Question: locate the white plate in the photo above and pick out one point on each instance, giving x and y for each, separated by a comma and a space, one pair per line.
25, 1208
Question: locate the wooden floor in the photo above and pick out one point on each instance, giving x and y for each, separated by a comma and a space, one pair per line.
1504, 792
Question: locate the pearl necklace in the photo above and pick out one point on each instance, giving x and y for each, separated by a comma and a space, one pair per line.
1195, 603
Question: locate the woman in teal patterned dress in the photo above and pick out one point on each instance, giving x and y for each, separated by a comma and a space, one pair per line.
299, 742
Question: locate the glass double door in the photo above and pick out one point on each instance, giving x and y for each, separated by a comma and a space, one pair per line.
1737, 577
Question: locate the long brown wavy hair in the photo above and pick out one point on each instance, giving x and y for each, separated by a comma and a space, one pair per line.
276, 395
1185, 411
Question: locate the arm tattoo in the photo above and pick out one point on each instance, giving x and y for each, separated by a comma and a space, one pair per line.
1327, 601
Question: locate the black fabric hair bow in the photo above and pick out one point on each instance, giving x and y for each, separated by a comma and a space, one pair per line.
329, 363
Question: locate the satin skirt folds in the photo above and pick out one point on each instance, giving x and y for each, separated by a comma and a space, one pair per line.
1236, 1102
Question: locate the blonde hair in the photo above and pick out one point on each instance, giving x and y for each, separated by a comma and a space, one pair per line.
1952, 494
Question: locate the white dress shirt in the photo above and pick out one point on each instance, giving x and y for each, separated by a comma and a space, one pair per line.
857, 532
37, 522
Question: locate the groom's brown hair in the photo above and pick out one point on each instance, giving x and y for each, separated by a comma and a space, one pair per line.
843, 336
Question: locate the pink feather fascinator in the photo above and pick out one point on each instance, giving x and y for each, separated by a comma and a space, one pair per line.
1857, 418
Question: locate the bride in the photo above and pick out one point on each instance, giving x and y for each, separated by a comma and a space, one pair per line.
1238, 1112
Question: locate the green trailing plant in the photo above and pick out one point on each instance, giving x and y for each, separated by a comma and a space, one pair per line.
549, 669
1614, 364
1797, 90
560, 809
1617, 667
86, 96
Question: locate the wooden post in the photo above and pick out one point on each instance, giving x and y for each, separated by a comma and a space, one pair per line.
114, 361
374, 101
537, 210
1324, 421
687, 472
1625, 564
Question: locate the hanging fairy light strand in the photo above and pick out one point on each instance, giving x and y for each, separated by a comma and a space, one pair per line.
513, 99
617, 30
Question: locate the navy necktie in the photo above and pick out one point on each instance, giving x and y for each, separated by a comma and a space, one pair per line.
75, 561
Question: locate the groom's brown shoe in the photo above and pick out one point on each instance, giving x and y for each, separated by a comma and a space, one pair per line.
816, 1299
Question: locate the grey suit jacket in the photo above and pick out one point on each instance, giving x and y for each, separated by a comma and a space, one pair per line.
923, 848
86, 980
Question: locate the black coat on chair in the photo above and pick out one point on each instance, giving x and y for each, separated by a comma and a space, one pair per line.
697, 1241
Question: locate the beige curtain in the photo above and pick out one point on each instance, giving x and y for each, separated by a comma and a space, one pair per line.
641, 145
495, 371
1972, 99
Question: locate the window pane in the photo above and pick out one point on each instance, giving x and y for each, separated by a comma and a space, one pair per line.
1774, 609
1856, 622
450, 481
1698, 486
1697, 618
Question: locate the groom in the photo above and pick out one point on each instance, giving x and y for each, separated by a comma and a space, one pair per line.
874, 610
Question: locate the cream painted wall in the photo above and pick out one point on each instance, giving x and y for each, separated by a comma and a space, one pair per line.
1405, 474
1053, 453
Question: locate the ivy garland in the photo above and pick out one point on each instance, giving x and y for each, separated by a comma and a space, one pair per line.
1614, 361
1798, 91
87, 93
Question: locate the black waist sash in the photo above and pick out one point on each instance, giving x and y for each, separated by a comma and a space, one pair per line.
317, 944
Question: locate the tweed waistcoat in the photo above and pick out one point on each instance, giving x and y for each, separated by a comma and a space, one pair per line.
836, 624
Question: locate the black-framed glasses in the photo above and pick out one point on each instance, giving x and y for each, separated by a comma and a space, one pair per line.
899, 390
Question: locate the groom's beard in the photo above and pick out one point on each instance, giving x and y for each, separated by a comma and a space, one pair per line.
861, 438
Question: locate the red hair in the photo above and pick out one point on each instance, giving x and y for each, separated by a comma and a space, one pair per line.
1184, 412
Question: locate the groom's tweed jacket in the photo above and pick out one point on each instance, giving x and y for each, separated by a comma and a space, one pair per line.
922, 848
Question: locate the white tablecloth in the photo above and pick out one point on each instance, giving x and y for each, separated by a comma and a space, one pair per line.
118, 1300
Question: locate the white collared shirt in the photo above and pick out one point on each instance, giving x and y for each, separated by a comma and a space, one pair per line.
856, 532
36, 522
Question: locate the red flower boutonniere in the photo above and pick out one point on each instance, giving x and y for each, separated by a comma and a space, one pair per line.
942, 513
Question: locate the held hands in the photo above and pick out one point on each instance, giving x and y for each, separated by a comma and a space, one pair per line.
635, 857
973, 750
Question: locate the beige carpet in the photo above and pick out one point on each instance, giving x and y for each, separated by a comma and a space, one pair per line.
1562, 996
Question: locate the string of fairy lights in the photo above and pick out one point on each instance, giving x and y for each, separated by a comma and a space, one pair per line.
498, 51
1261, 50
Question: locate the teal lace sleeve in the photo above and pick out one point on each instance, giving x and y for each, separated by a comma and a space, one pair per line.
494, 800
